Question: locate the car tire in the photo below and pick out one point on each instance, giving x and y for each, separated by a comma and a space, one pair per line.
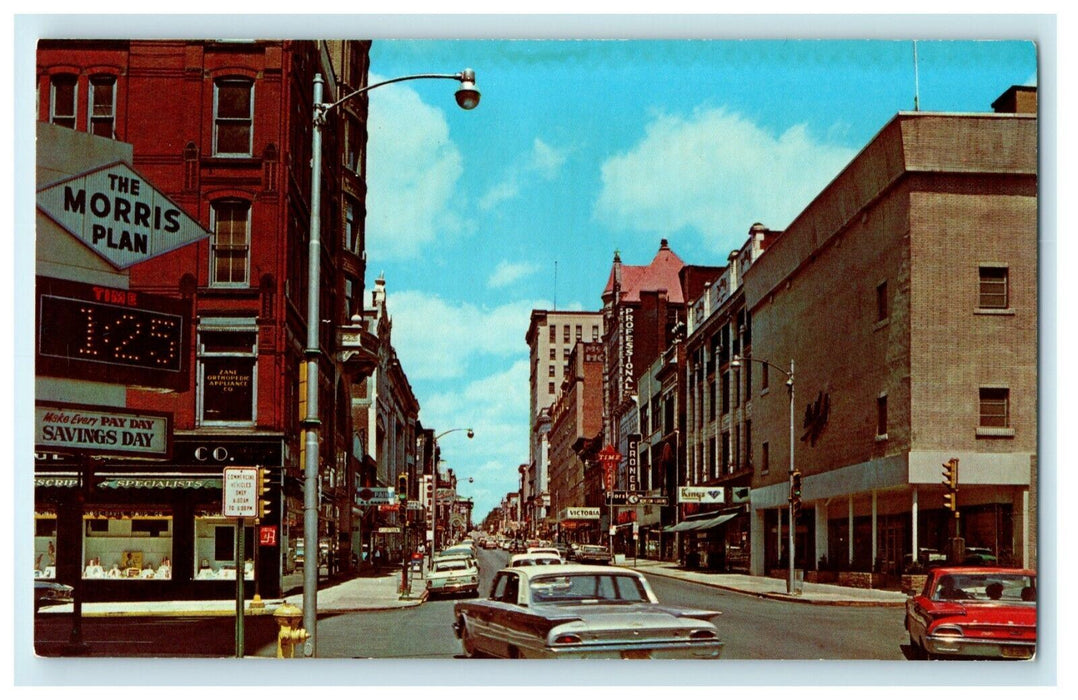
916, 650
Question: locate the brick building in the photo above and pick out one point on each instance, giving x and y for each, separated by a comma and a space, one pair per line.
551, 337
223, 129
576, 421
906, 296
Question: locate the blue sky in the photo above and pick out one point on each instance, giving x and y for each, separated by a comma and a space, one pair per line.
580, 148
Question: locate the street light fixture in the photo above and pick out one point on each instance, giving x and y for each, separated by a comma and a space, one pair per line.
468, 98
736, 363
434, 493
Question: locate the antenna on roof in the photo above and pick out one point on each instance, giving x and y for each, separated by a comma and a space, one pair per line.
555, 285
916, 82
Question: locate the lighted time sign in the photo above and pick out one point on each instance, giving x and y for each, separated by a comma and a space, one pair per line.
99, 333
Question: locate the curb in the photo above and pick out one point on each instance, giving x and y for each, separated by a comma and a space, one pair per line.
784, 596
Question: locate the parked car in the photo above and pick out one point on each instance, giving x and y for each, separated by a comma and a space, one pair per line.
974, 612
453, 575
48, 593
979, 556
457, 550
927, 558
535, 559
577, 611
593, 554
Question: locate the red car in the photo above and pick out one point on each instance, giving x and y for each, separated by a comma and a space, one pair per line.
975, 612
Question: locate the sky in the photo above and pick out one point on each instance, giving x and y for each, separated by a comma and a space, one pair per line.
581, 148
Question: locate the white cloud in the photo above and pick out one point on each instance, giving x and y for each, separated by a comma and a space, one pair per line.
542, 161
413, 168
715, 172
507, 273
438, 339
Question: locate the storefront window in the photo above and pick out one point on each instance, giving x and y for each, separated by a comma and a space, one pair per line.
215, 550
45, 546
137, 547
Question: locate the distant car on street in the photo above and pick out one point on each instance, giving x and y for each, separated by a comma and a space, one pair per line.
582, 612
592, 554
535, 559
974, 612
453, 575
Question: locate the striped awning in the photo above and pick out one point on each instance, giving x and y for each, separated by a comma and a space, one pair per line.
702, 523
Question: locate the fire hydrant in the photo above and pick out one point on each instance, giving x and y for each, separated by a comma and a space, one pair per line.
290, 635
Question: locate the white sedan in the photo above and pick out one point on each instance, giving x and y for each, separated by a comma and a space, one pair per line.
453, 575
578, 611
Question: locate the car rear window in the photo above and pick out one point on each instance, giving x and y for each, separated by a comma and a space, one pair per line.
587, 588
986, 587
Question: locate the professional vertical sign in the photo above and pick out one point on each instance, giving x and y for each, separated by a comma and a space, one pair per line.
118, 215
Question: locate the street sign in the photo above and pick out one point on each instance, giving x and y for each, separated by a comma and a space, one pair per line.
267, 535
240, 492
375, 495
625, 498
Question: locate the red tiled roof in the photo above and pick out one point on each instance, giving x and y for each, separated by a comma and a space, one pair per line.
662, 273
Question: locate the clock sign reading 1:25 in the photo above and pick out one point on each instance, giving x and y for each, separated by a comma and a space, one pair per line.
112, 335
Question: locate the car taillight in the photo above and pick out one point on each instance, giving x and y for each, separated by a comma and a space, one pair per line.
567, 639
702, 634
948, 631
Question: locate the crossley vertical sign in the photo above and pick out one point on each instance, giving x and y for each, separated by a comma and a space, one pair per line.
240, 500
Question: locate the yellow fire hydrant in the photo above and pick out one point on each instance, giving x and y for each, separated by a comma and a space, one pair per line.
290, 635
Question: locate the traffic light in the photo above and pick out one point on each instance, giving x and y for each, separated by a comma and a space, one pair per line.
795, 492
950, 481
264, 501
402, 487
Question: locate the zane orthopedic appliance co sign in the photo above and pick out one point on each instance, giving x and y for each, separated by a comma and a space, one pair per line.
119, 215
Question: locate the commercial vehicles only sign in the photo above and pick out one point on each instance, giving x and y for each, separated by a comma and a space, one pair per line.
117, 214
240, 497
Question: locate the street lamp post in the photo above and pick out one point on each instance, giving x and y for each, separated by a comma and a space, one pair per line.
434, 492
468, 98
736, 363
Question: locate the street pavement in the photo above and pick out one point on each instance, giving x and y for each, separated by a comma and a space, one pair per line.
381, 590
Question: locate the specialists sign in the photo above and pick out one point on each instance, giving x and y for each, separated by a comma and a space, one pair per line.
101, 430
118, 215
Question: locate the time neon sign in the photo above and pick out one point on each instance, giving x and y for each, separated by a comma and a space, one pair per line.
111, 335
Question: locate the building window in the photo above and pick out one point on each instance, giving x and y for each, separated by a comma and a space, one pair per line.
764, 377
995, 407
352, 226
765, 457
233, 116
565, 333
594, 333
230, 247
215, 549
645, 425
62, 105
725, 393
579, 332
748, 444
565, 353
553, 333
103, 106
881, 416
128, 548
727, 462
550, 388
550, 370
553, 353
882, 305
711, 469
994, 292
227, 351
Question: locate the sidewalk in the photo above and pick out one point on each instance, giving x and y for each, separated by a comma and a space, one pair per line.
763, 586
380, 590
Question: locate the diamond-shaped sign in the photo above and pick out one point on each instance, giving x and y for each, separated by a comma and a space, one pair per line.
119, 215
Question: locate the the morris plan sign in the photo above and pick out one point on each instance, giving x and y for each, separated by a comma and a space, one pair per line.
101, 430
118, 215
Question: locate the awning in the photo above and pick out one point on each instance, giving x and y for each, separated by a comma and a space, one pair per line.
702, 523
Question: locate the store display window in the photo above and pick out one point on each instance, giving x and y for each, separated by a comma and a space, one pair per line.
133, 547
45, 546
215, 550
